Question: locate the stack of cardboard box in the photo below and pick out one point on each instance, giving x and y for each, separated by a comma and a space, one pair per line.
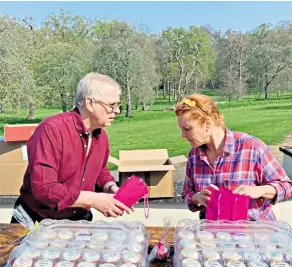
13, 157
152, 165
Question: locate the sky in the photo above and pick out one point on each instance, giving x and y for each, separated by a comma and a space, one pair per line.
235, 15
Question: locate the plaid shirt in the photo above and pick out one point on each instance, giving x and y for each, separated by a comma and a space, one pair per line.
245, 161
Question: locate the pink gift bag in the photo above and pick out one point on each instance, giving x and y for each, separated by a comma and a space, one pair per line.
224, 205
132, 191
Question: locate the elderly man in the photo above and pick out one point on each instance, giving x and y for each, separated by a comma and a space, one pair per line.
68, 155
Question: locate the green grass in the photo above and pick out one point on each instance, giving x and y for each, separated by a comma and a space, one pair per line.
268, 120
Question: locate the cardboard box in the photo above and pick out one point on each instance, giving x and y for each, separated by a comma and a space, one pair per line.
13, 164
153, 166
18, 132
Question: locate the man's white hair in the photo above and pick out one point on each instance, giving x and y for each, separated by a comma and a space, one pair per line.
94, 85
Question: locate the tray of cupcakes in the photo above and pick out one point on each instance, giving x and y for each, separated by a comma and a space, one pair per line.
232, 244
64, 243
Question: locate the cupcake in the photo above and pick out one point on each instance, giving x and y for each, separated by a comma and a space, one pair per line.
189, 253
210, 263
76, 245
118, 236
107, 265
58, 244
205, 235
47, 233
252, 256
43, 263
241, 237
278, 238
23, 261
257, 264
128, 265
190, 263
227, 246
184, 243
266, 247
131, 257
33, 254
235, 264
139, 237
210, 243
186, 235
231, 256
85, 264
96, 245
210, 255
71, 255
65, 264
65, 235
91, 256
261, 237
136, 247
223, 236
274, 256
40, 244
280, 264
83, 235
111, 257
247, 246
99, 236
51, 254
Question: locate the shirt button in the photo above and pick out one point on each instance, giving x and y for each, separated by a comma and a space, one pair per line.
86, 132
80, 134
74, 211
85, 145
83, 180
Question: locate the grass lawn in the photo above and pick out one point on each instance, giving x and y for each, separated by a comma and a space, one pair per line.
270, 121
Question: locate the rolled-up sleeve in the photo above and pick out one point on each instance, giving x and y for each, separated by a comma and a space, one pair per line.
188, 188
105, 179
270, 172
44, 156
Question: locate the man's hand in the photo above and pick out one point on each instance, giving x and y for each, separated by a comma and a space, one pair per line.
201, 198
114, 189
108, 206
252, 191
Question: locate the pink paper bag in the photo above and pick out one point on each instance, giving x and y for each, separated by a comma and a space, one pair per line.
132, 191
224, 205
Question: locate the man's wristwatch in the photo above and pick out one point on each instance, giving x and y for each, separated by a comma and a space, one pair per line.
109, 189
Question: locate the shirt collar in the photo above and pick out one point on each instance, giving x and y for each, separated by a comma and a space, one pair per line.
79, 125
228, 142
228, 145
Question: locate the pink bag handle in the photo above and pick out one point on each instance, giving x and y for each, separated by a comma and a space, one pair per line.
146, 206
219, 202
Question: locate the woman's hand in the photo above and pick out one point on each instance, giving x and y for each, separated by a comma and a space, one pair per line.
201, 198
265, 191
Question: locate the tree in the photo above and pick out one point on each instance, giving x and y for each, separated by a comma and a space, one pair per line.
192, 54
122, 53
273, 53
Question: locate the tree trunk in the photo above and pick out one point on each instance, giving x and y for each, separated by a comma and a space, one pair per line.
169, 90
31, 111
174, 91
164, 91
144, 107
136, 105
128, 106
63, 102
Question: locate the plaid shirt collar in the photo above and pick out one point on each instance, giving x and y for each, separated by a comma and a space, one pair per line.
228, 145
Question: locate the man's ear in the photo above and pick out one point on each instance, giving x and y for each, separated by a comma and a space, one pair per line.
89, 104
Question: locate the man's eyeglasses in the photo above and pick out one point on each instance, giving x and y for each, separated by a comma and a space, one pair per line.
114, 107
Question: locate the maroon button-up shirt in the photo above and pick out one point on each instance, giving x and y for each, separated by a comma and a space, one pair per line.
59, 166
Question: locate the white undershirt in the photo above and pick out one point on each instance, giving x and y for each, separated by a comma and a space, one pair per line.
89, 144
